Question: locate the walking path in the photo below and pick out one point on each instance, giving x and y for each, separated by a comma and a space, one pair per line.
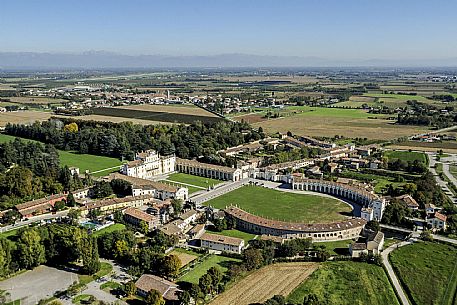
390, 271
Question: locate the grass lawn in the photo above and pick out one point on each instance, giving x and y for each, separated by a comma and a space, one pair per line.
349, 283
221, 262
390, 241
286, 206
406, 155
81, 299
340, 247
194, 180
108, 286
105, 269
85, 162
428, 272
235, 233
111, 228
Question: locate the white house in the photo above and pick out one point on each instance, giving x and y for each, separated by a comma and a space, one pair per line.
148, 164
222, 243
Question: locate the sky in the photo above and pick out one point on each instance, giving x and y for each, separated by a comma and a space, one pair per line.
332, 29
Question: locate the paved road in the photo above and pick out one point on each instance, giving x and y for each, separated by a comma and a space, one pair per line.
33, 220
447, 172
219, 190
443, 184
390, 271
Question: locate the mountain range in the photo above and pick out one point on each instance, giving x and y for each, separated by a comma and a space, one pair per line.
103, 59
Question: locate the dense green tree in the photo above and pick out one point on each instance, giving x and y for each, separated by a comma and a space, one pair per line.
253, 258
154, 298
31, 251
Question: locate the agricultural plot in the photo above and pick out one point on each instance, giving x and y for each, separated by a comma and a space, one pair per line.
23, 117
277, 279
406, 156
156, 116
328, 122
284, 206
35, 100
347, 283
427, 272
446, 146
178, 109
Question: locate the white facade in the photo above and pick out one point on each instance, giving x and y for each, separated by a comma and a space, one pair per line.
149, 164
222, 243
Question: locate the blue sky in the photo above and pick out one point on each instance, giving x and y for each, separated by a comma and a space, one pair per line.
343, 29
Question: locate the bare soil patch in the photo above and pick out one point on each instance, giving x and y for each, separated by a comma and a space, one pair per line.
181, 109
23, 117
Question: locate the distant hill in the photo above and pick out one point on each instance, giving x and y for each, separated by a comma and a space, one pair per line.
102, 59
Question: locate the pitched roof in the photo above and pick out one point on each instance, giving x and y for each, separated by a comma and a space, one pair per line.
440, 216
410, 201
292, 226
139, 214
167, 289
221, 239
197, 164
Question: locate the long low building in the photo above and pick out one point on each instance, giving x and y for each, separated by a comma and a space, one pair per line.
222, 243
342, 230
374, 204
39, 206
194, 167
110, 205
158, 190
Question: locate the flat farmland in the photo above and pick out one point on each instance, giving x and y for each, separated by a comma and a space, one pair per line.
347, 283
351, 123
447, 146
23, 117
277, 279
179, 109
105, 118
35, 100
427, 272
156, 116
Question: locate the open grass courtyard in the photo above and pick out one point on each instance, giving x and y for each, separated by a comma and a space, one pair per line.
218, 261
428, 272
284, 206
347, 282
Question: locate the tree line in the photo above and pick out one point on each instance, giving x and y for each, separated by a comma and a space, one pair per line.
122, 140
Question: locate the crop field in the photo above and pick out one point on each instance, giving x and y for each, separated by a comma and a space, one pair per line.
446, 146
427, 272
328, 122
178, 109
284, 206
235, 233
23, 117
277, 279
155, 116
25, 100
184, 256
347, 283
221, 262
406, 156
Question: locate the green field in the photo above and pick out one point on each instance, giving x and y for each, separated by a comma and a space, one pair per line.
350, 283
111, 228
428, 272
194, 180
406, 155
235, 233
283, 205
85, 162
221, 262
340, 247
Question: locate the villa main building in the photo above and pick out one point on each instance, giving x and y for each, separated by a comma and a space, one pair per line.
148, 164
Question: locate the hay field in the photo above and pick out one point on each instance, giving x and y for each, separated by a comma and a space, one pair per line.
23, 117
263, 284
105, 118
35, 100
180, 109
351, 127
